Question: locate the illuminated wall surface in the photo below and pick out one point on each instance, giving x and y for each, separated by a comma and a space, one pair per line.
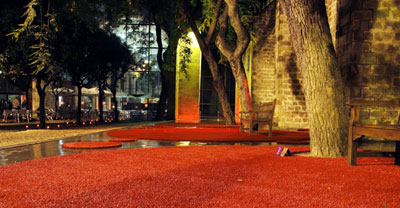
366, 36
187, 103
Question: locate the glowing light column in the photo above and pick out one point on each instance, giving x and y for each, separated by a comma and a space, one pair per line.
187, 95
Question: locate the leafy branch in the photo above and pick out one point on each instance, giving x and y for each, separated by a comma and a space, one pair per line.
40, 57
185, 52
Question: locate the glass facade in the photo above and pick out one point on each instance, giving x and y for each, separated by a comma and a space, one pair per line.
141, 86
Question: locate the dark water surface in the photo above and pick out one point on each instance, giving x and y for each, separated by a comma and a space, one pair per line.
54, 148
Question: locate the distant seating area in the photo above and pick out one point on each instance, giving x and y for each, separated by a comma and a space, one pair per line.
24, 115
16, 115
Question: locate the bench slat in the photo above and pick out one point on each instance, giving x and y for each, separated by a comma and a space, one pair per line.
377, 132
393, 127
357, 129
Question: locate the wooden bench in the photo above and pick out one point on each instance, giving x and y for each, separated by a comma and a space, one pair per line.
263, 115
358, 130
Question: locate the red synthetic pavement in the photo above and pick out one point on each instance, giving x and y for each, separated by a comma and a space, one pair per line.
122, 140
199, 176
205, 134
90, 145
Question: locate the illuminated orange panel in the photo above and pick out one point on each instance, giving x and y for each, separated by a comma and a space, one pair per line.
187, 103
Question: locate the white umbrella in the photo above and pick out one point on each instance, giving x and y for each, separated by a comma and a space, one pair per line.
60, 90
94, 91
121, 94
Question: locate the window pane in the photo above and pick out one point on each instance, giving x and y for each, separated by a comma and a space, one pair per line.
153, 36
139, 35
139, 84
153, 60
155, 84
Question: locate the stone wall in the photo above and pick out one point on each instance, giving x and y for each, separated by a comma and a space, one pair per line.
366, 36
275, 73
331, 10
263, 66
291, 109
369, 54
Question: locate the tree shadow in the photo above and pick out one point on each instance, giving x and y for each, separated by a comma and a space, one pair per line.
293, 72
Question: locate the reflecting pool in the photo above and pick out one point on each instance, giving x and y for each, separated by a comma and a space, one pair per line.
54, 148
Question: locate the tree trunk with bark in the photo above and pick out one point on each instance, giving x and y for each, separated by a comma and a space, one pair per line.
79, 108
323, 84
171, 93
56, 105
218, 80
27, 98
115, 102
101, 96
168, 68
42, 96
234, 55
162, 103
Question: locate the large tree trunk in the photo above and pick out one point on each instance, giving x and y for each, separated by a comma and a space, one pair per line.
218, 80
234, 55
323, 84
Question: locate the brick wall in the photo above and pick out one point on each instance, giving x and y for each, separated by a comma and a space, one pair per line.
366, 36
369, 54
275, 73
291, 109
263, 68
331, 10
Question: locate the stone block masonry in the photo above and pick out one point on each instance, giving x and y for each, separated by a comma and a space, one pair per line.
366, 37
275, 73
368, 50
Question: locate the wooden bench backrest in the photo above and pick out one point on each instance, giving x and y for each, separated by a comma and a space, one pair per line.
356, 104
266, 111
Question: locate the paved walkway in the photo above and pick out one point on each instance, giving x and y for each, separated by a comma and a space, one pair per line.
17, 134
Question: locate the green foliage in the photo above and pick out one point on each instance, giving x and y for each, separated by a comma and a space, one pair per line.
208, 9
3, 59
30, 14
185, 52
249, 10
42, 32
